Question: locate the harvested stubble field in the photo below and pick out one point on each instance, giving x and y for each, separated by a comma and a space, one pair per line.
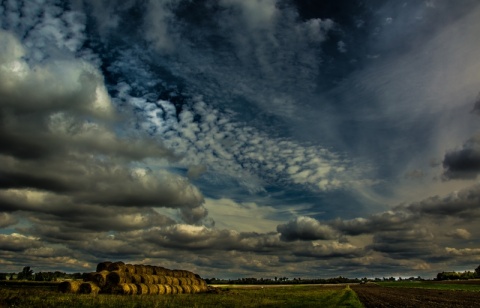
417, 295
283, 296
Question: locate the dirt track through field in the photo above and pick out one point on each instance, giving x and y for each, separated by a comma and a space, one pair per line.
377, 296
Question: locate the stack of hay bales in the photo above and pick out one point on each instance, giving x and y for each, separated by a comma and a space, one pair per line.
121, 278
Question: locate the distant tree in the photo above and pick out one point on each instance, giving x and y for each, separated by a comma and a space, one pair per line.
3, 276
477, 272
26, 274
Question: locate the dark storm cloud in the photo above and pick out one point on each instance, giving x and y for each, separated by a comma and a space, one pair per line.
465, 162
408, 243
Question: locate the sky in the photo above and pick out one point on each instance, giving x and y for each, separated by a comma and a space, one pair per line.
241, 138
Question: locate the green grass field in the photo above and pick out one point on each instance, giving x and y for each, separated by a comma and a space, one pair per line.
285, 296
431, 285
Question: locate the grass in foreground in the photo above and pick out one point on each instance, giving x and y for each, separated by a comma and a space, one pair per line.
289, 296
431, 285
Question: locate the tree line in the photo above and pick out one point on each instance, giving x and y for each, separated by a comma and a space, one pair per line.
28, 274
459, 275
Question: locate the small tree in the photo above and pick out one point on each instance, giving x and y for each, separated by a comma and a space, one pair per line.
477, 272
25, 274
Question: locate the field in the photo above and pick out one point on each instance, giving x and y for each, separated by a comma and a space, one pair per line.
228, 296
461, 285
383, 294
419, 294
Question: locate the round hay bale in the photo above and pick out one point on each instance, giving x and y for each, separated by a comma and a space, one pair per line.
103, 266
130, 268
161, 289
160, 271
72, 286
135, 278
169, 280
155, 279
116, 266
149, 269
179, 289
190, 274
168, 272
125, 289
182, 281
133, 289
122, 289
116, 277
146, 279
100, 278
162, 279
176, 273
195, 282
175, 281
89, 287
187, 289
140, 269
153, 289
174, 289
142, 289
195, 289
168, 288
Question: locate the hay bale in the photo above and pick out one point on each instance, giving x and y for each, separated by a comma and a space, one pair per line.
103, 266
116, 266
135, 278
179, 289
169, 280
116, 277
149, 269
140, 269
89, 287
130, 268
142, 289
168, 288
174, 289
162, 279
146, 279
183, 281
186, 289
125, 289
160, 271
161, 289
153, 289
195, 289
72, 286
100, 278
175, 281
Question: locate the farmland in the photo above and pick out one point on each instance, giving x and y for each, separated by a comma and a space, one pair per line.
384, 294
227, 296
419, 294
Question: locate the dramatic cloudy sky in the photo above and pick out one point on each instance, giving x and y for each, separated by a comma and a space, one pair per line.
240, 138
